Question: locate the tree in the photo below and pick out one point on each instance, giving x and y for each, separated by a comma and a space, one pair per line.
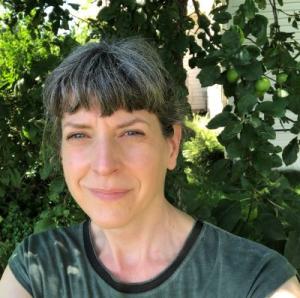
248, 195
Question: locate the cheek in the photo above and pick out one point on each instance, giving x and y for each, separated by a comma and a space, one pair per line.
73, 162
147, 159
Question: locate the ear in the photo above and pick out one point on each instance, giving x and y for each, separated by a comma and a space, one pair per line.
174, 145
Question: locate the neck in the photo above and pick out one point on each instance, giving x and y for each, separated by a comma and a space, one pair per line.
153, 238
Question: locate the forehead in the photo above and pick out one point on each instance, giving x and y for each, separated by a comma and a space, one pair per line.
120, 118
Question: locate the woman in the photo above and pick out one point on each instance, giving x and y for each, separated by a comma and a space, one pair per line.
118, 129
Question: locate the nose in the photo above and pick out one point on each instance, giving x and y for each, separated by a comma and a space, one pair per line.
104, 157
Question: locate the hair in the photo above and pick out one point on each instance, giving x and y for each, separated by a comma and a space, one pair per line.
122, 74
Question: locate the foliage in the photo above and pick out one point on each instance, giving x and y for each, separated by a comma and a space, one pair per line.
199, 152
28, 190
262, 203
242, 193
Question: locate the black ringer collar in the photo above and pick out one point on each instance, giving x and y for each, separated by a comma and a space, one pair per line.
141, 286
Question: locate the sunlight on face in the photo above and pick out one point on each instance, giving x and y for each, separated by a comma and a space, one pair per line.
115, 166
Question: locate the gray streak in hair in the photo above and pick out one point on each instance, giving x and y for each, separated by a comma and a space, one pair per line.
124, 74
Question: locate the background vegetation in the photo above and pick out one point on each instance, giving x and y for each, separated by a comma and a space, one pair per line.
240, 191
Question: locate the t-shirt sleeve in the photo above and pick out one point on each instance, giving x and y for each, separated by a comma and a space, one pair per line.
18, 264
273, 271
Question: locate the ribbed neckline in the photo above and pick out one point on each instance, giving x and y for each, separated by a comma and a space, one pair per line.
140, 287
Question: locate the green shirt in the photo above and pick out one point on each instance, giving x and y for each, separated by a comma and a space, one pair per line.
213, 263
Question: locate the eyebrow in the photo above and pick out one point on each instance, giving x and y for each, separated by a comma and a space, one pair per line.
121, 125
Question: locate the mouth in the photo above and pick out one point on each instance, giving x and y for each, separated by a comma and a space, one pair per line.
108, 194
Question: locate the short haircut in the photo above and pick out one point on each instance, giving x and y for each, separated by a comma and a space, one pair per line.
120, 74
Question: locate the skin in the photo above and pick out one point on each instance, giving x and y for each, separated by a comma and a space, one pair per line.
115, 169
116, 173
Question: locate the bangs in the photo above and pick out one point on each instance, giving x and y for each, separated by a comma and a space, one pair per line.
109, 77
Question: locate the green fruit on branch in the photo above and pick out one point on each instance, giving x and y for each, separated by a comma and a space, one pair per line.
282, 93
281, 78
263, 84
232, 75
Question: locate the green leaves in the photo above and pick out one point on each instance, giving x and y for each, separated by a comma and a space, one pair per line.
228, 213
292, 248
273, 108
257, 26
251, 72
221, 120
209, 75
250, 9
246, 103
271, 227
290, 152
222, 17
230, 131
231, 40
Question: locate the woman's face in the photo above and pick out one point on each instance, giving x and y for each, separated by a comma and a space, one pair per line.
115, 166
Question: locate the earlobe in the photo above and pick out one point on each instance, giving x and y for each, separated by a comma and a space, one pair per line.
174, 142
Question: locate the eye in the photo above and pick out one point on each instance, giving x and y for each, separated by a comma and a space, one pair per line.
132, 133
75, 136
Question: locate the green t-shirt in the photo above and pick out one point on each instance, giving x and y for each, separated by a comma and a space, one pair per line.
213, 263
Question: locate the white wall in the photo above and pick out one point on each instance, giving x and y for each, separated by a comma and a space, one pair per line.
206, 99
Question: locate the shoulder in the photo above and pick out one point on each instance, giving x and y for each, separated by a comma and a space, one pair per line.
231, 244
254, 267
41, 246
49, 253
54, 235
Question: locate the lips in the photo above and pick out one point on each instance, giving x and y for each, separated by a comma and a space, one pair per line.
108, 194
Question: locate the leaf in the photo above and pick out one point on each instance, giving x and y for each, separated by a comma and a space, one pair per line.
274, 108
74, 6
294, 103
237, 171
235, 149
230, 131
257, 26
15, 177
107, 14
262, 161
252, 72
292, 248
280, 2
220, 120
57, 185
246, 103
222, 17
266, 131
227, 213
290, 152
220, 170
271, 227
255, 121
203, 21
276, 161
261, 4
2, 192
231, 40
209, 75
250, 9
247, 55
43, 224
295, 24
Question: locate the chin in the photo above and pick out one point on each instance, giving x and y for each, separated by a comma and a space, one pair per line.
109, 222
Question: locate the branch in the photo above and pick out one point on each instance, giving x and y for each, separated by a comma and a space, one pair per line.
288, 14
196, 8
76, 17
275, 14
